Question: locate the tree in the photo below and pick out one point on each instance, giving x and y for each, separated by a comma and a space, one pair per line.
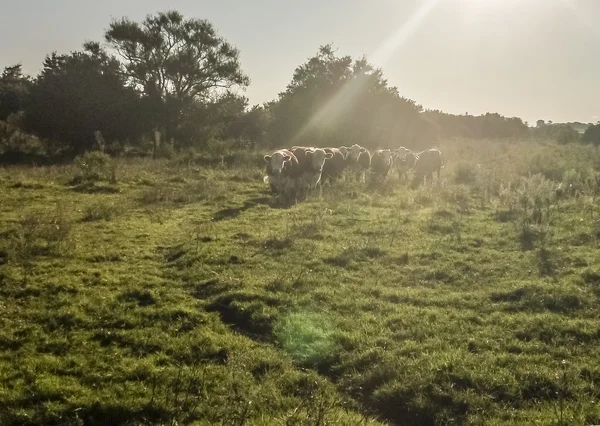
175, 62
337, 100
540, 123
212, 120
592, 134
14, 87
566, 134
77, 94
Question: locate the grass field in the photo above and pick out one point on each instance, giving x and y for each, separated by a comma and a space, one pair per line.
170, 292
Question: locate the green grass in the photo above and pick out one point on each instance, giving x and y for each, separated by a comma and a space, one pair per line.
171, 292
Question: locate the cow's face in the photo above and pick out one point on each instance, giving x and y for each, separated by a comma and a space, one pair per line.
318, 157
277, 161
355, 151
344, 150
401, 152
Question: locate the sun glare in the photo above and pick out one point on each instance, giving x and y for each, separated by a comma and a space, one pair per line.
379, 57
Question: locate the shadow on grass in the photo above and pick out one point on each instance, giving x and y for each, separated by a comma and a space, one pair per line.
233, 212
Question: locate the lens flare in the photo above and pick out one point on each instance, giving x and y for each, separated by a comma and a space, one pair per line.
307, 337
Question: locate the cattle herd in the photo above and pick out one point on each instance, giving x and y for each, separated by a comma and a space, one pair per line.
292, 173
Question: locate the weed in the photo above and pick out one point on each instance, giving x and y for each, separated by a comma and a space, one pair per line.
100, 210
93, 166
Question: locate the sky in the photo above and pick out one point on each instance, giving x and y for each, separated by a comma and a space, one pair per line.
534, 59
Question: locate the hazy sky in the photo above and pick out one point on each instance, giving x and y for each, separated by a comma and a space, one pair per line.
527, 58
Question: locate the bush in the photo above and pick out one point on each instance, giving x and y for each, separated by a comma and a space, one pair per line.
567, 135
93, 166
592, 135
42, 233
465, 174
164, 151
17, 146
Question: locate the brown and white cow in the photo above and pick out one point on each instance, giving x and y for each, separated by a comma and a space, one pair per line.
427, 162
334, 166
381, 163
358, 160
282, 172
404, 160
310, 166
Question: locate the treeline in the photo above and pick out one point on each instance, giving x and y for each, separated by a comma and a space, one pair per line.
169, 84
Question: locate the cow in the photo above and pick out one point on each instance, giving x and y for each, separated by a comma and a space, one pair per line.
404, 160
381, 163
426, 163
310, 166
334, 166
358, 159
282, 173
344, 150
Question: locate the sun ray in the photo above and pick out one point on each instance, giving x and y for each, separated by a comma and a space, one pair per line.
341, 100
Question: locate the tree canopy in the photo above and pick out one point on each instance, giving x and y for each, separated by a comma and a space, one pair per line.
14, 87
175, 62
80, 93
337, 100
592, 134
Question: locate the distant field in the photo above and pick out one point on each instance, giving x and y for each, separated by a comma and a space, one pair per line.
149, 292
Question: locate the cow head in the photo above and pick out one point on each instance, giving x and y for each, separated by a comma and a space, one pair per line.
317, 158
355, 151
277, 161
400, 153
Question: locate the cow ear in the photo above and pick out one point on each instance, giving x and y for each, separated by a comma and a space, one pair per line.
267, 158
286, 158
329, 155
363, 150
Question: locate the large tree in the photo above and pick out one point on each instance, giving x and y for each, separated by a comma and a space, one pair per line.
80, 93
176, 62
337, 100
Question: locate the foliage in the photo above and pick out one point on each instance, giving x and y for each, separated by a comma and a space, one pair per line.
490, 125
592, 134
78, 94
560, 132
14, 88
335, 100
17, 146
93, 166
218, 119
175, 62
